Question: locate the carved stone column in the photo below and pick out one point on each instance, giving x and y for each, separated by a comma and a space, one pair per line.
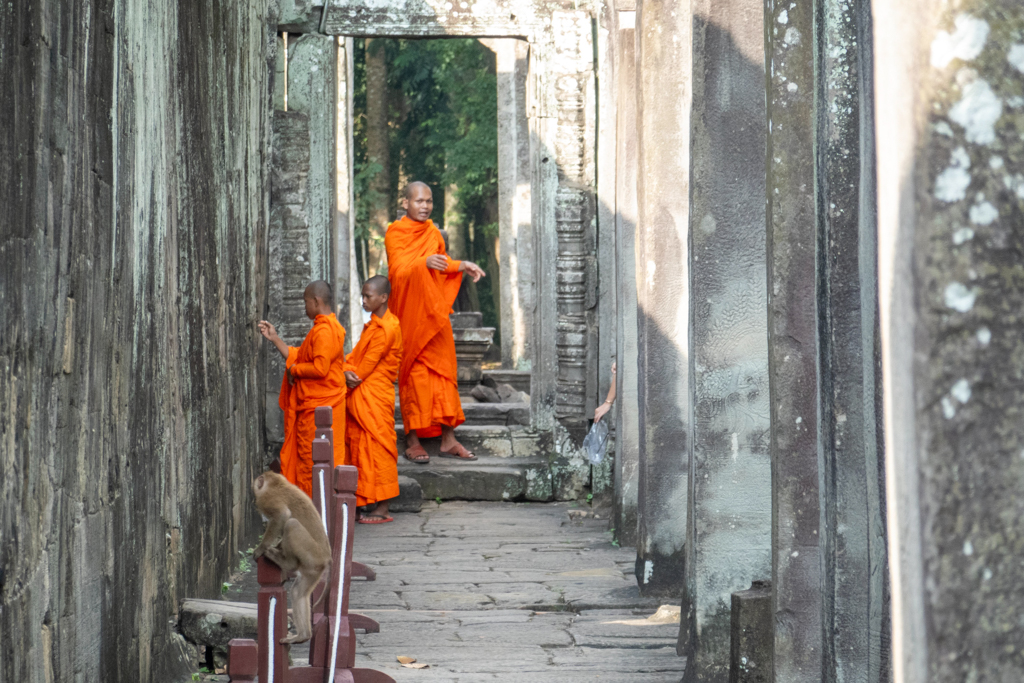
949, 113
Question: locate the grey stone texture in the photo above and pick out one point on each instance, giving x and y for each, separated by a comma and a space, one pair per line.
662, 276
410, 496
627, 418
133, 247
302, 201
792, 344
728, 542
752, 647
854, 578
499, 591
948, 87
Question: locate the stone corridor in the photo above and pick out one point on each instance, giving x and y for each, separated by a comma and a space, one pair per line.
503, 591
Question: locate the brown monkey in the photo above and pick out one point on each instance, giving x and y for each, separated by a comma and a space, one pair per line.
295, 541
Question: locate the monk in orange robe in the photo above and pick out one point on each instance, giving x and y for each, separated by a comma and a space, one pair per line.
314, 376
370, 372
424, 284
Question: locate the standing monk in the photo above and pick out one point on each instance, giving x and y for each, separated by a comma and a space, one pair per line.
314, 376
424, 284
370, 372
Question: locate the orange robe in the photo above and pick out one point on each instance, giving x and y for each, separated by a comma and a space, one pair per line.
318, 366
370, 431
422, 299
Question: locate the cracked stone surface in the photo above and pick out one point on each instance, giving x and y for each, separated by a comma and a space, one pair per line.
486, 591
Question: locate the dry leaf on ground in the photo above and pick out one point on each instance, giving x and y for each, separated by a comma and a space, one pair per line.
402, 659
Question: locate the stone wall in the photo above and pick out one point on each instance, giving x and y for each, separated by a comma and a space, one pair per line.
133, 247
950, 112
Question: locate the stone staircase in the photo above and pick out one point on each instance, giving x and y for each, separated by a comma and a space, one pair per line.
513, 461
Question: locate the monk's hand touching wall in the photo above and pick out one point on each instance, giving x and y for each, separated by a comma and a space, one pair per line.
270, 332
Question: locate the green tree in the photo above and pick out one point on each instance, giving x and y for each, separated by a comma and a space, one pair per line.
442, 123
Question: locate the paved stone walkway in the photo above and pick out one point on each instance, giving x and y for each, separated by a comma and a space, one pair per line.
516, 592
507, 592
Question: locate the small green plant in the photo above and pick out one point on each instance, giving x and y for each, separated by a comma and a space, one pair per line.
437, 499
245, 563
196, 677
590, 499
224, 587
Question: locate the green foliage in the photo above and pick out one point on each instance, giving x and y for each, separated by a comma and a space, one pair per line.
442, 129
367, 198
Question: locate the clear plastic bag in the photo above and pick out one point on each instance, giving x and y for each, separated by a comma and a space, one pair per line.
594, 442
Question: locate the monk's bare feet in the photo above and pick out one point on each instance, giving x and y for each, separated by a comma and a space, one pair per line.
451, 448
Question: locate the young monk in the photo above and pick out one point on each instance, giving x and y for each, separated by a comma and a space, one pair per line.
370, 372
424, 284
314, 376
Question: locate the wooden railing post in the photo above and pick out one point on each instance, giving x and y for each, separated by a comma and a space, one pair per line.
272, 616
243, 660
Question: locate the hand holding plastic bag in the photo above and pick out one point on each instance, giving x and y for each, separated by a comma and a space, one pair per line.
594, 442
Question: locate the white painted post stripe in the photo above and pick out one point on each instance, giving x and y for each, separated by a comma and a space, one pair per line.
341, 585
271, 641
323, 504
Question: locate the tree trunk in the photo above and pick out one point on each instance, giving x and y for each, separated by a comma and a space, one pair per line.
377, 147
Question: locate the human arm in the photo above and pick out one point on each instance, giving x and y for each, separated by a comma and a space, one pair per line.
472, 269
323, 352
375, 345
270, 332
607, 405
443, 263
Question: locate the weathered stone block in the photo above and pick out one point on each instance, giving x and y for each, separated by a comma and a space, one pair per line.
215, 622
488, 478
410, 496
750, 659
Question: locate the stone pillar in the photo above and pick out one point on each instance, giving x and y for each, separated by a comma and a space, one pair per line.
347, 283
950, 167
792, 343
854, 570
312, 89
663, 290
302, 200
514, 234
729, 521
627, 427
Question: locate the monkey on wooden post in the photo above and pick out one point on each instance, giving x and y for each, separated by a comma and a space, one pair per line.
295, 541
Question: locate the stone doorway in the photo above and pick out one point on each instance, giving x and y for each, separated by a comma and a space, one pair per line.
547, 194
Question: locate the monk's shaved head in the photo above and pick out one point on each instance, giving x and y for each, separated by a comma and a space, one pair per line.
414, 185
379, 284
321, 290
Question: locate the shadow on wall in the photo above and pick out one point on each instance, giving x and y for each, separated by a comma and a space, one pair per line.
729, 522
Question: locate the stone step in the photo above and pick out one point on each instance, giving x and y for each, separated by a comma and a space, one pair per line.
519, 379
486, 440
487, 478
501, 414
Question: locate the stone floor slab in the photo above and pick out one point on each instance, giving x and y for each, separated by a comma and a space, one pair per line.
511, 592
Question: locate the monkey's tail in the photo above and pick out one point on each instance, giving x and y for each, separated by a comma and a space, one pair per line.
327, 571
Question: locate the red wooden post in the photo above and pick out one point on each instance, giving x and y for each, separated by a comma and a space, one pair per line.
243, 660
323, 500
341, 648
272, 616
323, 418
